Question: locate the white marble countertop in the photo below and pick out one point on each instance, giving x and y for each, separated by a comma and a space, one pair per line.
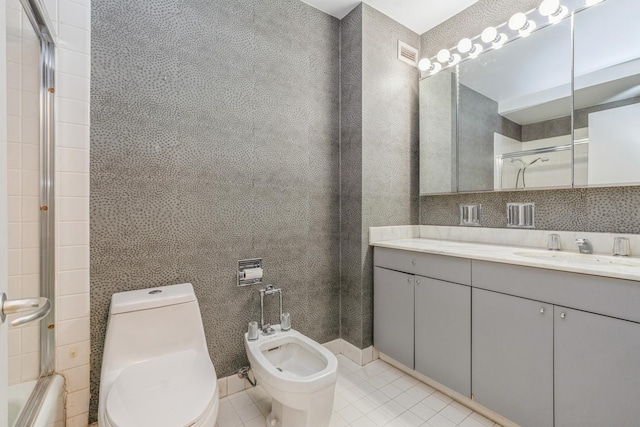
596, 264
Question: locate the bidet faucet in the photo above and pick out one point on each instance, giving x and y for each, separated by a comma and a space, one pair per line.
268, 290
584, 246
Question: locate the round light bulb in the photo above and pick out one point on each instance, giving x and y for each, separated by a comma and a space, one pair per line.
489, 35
435, 68
444, 56
518, 21
549, 7
465, 45
424, 64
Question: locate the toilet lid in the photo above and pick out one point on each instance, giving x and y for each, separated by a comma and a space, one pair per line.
169, 391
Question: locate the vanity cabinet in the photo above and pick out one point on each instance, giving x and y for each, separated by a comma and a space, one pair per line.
597, 370
544, 348
512, 357
393, 308
422, 314
443, 332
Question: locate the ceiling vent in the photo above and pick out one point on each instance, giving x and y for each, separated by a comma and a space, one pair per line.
408, 54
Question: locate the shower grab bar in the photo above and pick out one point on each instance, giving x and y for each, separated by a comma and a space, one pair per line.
41, 305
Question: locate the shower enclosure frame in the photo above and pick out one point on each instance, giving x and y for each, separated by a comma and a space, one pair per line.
37, 14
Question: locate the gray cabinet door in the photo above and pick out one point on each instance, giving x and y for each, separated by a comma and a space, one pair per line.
443, 333
512, 357
393, 319
597, 363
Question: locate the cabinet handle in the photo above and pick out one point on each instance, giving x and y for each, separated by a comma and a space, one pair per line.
417, 282
409, 280
541, 310
413, 262
562, 315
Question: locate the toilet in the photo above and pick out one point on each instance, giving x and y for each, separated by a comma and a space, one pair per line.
156, 369
299, 374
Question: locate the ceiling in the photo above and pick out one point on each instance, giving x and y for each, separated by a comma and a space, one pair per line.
418, 15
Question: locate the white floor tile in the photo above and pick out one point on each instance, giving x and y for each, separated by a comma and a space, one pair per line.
409, 419
393, 408
455, 412
338, 421
407, 400
423, 411
437, 401
256, 422
366, 405
372, 396
476, 420
379, 417
440, 421
350, 413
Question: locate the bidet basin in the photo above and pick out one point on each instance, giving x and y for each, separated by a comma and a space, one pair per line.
581, 259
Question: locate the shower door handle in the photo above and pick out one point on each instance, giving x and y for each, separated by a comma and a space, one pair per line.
40, 307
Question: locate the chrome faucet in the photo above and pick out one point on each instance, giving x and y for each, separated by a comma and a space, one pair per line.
268, 290
584, 246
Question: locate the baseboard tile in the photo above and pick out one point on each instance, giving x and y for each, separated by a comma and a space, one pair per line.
334, 346
359, 356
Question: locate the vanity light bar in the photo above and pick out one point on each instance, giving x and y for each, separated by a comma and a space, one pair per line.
520, 24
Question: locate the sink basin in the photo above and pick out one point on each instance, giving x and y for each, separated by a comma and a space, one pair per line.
583, 259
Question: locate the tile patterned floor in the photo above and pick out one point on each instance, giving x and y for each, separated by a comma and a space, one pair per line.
370, 396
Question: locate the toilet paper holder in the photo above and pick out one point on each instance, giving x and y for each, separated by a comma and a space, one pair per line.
249, 272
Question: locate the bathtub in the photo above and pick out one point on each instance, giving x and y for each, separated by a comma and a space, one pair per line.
50, 407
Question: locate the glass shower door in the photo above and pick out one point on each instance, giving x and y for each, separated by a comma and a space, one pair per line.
25, 306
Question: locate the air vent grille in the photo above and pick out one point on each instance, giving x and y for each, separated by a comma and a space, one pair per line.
408, 54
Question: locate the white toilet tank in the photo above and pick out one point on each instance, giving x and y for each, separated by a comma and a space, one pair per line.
156, 369
147, 323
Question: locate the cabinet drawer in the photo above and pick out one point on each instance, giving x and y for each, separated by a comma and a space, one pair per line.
602, 295
450, 269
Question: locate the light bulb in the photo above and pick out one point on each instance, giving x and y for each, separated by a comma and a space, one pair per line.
549, 7
554, 10
467, 46
520, 23
424, 64
446, 57
491, 35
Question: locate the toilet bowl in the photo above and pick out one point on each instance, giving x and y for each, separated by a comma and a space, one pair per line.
156, 369
299, 374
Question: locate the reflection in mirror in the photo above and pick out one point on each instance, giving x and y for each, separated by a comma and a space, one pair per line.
438, 133
514, 124
607, 94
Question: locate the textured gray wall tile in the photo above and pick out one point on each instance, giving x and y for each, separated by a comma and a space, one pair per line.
215, 137
378, 153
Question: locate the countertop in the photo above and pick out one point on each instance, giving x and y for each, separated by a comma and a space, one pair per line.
596, 264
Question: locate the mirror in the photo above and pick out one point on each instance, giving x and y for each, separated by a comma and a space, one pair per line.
515, 114
607, 94
511, 127
438, 170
